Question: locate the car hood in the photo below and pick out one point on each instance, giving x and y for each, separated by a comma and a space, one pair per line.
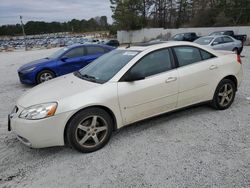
35, 63
55, 90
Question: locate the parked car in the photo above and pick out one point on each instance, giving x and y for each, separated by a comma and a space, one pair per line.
122, 87
63, 61
112, 42
221, 42
242, 38
185, 37
92, 41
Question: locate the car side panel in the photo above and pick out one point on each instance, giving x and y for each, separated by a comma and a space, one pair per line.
148, 97
228, 65
197, 82
94, 97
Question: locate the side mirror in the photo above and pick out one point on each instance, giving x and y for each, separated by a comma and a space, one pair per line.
215, 43
133, 76
64, 59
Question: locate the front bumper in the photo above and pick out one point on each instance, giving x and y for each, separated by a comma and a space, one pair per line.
41, 133
27, 78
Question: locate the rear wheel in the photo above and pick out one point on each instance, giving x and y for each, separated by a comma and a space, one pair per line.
89, 130
44, 76
224, 94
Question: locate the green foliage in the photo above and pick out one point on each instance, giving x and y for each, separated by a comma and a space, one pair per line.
129, 14
38, 27
136, 14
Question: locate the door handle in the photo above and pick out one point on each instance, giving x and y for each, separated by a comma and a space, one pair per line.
212, 67
171, 79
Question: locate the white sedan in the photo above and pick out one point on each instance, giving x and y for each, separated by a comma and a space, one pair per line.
124, 86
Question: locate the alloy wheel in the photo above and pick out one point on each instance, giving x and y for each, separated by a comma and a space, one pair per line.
45, 77
225, 94
91, 131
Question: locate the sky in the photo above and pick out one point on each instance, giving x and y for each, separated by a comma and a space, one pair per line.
52, 10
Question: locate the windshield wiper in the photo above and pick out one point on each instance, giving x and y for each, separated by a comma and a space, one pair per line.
85, 76
88, 76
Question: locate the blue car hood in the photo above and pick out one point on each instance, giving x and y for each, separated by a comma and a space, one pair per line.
35, 63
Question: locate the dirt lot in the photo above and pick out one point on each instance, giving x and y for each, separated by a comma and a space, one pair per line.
196, 147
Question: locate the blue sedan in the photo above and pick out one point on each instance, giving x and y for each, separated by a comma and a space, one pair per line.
63, 61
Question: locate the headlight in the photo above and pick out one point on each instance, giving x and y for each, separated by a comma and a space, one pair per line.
28, 70
39, 111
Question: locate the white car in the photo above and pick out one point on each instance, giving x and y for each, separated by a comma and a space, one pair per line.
124, 86
221, 42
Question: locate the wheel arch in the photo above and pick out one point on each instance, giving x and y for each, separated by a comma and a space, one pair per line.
233, 79
108, 110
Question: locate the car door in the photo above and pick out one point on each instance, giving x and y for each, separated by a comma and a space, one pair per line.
155, 94
197, 74
71, 60
229, 43
218, 44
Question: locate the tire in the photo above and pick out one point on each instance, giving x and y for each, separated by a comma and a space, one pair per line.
89, 130
224, 94
44, 76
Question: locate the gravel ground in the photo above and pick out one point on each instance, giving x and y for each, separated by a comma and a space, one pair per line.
196, 147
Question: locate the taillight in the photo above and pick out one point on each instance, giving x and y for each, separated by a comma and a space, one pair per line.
238, 58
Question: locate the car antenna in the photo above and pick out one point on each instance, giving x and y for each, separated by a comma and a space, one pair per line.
128, 45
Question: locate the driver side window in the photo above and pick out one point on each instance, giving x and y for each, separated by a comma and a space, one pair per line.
75, 52
153, 63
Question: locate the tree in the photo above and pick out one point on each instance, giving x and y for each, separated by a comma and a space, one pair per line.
39, 27
129, 14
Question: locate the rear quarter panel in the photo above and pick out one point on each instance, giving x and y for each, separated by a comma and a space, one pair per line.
228, 65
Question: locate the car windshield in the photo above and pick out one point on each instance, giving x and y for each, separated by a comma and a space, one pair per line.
178, 37
58, 53
204, 40
104, 68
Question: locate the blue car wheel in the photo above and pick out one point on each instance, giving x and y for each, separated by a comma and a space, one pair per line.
44, 76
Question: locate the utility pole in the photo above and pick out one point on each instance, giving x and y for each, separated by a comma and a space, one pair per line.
24, 35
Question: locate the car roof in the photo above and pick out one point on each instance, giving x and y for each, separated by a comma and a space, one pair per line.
216, 36
79, 45
141, 47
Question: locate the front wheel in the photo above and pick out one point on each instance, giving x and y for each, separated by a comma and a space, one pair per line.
89, 130
44, 76
224, 94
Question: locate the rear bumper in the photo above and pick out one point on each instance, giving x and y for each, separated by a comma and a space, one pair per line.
239, 76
